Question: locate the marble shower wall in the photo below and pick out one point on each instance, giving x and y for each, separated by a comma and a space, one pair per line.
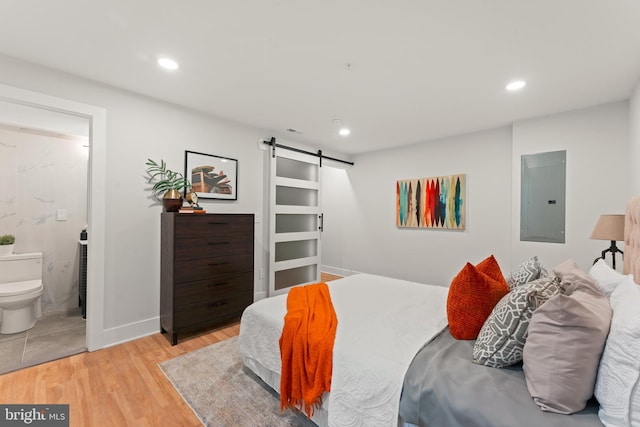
41, 174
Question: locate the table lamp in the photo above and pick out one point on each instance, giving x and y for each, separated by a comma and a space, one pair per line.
609, 227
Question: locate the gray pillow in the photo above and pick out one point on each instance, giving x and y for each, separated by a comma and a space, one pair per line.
526, 272
503, 335
565, 341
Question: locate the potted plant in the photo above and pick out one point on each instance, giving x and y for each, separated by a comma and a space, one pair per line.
6, 244
167, 183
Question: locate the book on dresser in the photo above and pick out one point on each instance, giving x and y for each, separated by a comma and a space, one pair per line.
190, 210
206, 270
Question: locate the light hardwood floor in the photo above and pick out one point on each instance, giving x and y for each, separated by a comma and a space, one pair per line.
326, 277
116, 386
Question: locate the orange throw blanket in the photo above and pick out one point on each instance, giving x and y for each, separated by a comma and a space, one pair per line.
306, 347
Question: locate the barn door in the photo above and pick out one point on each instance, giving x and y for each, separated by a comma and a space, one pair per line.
295, 220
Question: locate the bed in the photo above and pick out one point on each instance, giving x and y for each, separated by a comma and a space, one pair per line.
367, 376
402, 366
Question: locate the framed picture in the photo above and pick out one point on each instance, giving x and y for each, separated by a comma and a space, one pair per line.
438, 202
212, 177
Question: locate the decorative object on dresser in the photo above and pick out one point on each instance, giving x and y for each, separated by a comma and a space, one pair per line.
213, 177
168, 184
192, 198
206, 270
190, 210
609, 227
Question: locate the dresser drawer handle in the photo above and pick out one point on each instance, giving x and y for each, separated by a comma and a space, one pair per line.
217, 284
217, 223
218, 243
213, 264
216, 304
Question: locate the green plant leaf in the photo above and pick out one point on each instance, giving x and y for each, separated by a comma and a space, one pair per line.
165, 179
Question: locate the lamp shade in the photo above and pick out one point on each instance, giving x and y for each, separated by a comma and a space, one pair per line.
609, 227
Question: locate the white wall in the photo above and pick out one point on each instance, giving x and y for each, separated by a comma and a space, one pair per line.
634, 143
359, 205
139, 128
597, 177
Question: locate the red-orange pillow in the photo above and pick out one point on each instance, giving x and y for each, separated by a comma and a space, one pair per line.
472, 295
491, 268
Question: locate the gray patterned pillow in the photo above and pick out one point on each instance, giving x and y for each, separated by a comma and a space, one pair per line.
526, 272
501, 340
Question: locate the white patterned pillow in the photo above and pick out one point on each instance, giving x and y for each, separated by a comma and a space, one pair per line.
528, 271
618, 382
502, 337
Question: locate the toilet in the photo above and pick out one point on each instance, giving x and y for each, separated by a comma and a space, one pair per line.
20, 291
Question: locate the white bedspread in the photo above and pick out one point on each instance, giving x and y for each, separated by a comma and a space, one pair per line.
382, 323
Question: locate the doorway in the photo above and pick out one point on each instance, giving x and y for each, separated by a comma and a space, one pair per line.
44, 206
95, 117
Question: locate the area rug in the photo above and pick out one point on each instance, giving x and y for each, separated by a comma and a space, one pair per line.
223, 393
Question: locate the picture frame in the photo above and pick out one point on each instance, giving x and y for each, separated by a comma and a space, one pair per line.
211, 176
437, 203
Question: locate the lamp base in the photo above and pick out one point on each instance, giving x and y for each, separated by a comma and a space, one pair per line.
613, 249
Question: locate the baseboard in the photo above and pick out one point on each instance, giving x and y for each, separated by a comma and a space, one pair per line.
131, 331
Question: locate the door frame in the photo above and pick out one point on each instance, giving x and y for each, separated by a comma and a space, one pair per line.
96, 214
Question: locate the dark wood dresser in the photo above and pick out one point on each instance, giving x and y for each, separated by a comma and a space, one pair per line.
206, 270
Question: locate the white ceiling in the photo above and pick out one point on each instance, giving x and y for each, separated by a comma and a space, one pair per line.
419, 70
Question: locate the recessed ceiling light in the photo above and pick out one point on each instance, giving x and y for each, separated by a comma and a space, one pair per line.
168, 63
344, 131
516, 85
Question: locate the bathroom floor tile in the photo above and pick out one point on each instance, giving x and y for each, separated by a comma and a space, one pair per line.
11, 355
55, 322
55, 345
56, 335
12, 337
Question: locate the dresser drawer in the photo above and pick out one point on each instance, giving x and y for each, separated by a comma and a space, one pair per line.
190, 226
207, 247
210, 311
212, 289
205, 268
